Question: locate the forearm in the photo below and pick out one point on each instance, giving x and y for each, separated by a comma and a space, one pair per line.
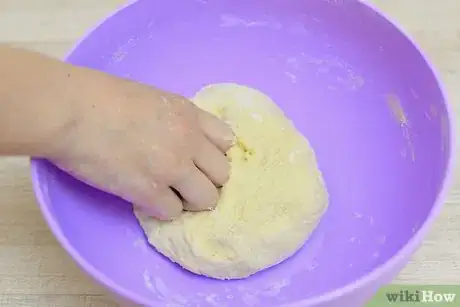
37, 102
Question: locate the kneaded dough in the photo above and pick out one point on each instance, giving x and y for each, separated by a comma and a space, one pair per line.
272, 202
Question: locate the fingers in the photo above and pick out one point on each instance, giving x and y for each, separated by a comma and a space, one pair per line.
216, 130
198, 188
163, 205
213, 163
197, 191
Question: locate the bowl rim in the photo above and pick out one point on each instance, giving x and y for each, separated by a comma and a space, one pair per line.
368, 279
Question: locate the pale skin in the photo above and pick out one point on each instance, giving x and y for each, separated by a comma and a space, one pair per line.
153, 148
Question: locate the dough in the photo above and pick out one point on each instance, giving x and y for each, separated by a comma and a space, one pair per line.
272, 202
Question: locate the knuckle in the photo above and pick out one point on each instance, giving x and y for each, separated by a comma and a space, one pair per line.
175, 166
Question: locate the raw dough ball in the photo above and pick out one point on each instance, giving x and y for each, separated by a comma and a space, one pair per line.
272, 202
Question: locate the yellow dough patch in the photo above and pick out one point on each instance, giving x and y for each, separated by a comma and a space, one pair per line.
272, 202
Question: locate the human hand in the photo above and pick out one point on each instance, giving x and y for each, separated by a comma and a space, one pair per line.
152, 148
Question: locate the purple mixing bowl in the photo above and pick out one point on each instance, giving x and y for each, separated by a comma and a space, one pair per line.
358, 88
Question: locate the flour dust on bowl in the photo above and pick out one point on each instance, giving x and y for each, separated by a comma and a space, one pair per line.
352, 83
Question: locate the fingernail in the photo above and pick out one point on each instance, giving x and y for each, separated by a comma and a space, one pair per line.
164, 216
230, 138
154, 213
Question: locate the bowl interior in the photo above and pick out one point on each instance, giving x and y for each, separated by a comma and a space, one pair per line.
354, 85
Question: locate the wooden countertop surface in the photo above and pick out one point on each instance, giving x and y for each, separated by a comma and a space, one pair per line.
35, 271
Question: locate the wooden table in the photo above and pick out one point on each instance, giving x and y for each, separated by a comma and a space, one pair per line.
35, 271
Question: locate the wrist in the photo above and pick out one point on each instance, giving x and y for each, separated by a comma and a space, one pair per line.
82, 92
68, 98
